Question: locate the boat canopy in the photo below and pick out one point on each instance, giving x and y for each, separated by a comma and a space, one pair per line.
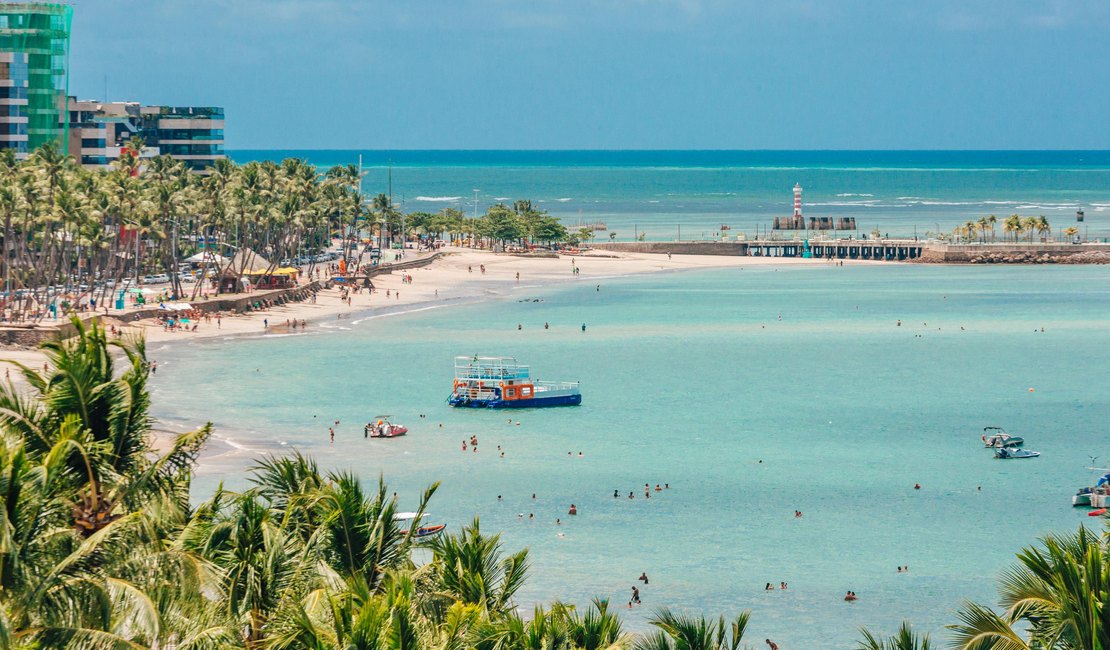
489, 368
1105, 480
406, 516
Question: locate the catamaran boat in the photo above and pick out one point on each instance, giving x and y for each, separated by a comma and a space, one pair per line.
1014, 452
500, 382
381, 427
420, 533
996, 437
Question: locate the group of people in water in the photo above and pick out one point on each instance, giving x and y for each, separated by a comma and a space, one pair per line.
647, 490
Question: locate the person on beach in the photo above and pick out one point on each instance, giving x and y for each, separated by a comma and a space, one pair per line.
616, 494
331, 434
546, 325
771, 644
631, 496
583, 327
635, 595
265, 323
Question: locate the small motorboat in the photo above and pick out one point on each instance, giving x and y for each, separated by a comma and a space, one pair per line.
1095, 497
996, 437
421, 533
1014, 452
426, 532
381, 427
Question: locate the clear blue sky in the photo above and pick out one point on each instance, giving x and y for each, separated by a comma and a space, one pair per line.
613, 74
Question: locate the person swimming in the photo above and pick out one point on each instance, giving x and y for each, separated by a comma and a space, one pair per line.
643, 576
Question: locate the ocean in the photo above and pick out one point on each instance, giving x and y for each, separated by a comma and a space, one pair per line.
667, 195
752, 393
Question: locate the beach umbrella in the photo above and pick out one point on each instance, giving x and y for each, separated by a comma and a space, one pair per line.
1103, 481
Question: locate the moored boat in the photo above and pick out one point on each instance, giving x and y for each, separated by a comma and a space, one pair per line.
382, 427
420, 533
1014, 452
500, 382
995, 437
1095, 497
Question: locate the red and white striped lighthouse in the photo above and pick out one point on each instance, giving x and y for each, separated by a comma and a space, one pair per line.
797, 199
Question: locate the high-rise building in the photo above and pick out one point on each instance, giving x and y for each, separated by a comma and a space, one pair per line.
34, 58
192, 134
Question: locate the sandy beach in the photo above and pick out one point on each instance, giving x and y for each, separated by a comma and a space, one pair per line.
457, 275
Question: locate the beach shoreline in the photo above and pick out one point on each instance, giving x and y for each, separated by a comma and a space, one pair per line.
456, 278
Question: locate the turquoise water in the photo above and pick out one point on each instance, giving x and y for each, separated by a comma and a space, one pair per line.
691, 379
667, 194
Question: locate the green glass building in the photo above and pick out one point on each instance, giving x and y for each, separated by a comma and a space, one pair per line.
34, 62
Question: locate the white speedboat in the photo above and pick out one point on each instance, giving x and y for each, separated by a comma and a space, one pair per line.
996, 437
1014, 452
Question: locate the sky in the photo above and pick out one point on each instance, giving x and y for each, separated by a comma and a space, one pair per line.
612, 74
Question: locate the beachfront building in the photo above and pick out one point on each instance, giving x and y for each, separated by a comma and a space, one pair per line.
34, 57
193, 134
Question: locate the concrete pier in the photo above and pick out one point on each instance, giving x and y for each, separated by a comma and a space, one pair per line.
891, 250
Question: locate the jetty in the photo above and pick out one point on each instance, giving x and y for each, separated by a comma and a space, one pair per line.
882, 249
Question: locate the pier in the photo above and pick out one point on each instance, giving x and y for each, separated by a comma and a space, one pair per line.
889, 250
839, 249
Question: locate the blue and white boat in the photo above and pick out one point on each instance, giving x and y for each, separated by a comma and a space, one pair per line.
500, 382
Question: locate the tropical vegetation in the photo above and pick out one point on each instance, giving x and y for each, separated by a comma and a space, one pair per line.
86, 233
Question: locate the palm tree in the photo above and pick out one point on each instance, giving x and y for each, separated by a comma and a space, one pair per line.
1043, 227
682, 632
991, 221
469, 568
904, 639
1013, 224
1029, 225
1053, 599
82, 399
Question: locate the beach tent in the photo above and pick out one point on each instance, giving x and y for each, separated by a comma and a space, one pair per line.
246, 261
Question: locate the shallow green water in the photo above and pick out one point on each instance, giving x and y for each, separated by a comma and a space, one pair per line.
691, 379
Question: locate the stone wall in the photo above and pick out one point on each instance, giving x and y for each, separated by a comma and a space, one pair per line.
33, 335
1016, 253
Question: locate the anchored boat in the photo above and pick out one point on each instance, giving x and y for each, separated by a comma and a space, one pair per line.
500, 382
997, 437
1007, 453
